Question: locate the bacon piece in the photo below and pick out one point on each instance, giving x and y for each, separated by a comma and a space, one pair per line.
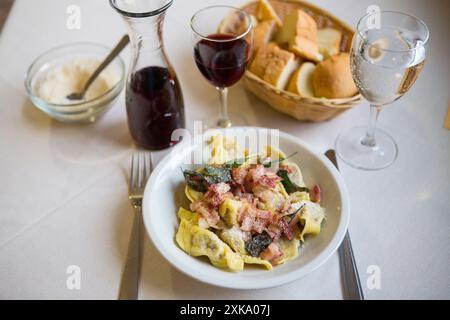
280, 227
219, 188
272, 253
242, 195
286, 229
261, 176
258, 226
268, 196
255, 220
257, 172
217, 193
207, 212
286, 205
269, 181
264, 214
247, 223
316, 194
238, 175
274, 231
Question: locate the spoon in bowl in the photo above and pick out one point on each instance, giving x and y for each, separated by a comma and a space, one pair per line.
114, 53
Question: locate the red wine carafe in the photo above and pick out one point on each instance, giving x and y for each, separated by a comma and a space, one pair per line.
154, 100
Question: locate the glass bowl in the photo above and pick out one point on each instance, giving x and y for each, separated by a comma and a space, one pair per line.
78, 112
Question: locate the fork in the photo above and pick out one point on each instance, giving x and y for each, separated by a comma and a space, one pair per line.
141, 168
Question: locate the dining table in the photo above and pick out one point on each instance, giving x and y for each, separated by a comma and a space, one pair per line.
64, 205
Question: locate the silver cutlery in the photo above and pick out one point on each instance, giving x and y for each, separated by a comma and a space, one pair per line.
349, 270
141, 168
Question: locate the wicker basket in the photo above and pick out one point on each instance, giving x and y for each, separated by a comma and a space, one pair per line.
301, 108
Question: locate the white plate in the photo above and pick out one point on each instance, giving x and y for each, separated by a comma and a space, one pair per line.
164, 195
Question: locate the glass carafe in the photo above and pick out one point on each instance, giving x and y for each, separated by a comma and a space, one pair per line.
154, 100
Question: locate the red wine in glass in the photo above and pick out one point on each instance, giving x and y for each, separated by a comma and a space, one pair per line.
155, 107
222, 58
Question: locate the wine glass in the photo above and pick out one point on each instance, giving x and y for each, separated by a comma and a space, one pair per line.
222, 57
387, 56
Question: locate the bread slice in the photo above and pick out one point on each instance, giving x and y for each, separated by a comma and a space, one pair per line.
305, 48
329, 41
297, 23
265, 11
280, 72
300, 33
261, 59
302, 81
263, 34
274, 65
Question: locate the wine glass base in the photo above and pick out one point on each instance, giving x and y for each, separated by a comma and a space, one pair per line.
350, 149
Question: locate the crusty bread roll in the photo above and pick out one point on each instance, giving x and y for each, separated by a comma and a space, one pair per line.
329, 42
332, 78
263, 34
274, 65
302, 81
265, 11
300, 33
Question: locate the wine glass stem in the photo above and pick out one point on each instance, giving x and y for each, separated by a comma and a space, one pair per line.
224, 120
369, 139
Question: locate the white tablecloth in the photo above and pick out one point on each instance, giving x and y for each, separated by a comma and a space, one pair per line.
63, 191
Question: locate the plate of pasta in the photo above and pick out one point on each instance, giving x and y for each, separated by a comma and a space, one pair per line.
245, 208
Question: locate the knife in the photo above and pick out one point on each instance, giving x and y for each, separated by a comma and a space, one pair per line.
347, 263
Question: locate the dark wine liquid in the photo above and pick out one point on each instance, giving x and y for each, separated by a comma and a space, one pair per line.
155, 107
222, 63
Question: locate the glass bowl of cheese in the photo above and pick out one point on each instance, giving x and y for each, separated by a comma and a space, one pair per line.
65, 69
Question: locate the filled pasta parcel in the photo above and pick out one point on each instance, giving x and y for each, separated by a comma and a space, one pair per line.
244, 212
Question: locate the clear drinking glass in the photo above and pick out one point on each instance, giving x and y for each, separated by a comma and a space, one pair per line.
387, 56
222, 57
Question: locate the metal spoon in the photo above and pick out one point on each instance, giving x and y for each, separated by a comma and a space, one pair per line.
114, 53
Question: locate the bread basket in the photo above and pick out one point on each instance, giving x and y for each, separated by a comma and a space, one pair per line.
301, 108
